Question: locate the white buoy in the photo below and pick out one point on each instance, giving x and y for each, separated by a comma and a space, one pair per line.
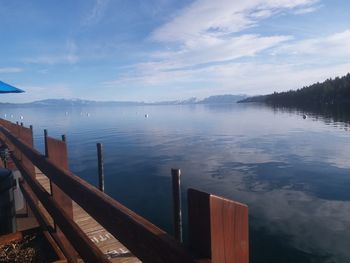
66, 113
11, 116
5, 115
21, 117
88, 114
146, 115
304, 116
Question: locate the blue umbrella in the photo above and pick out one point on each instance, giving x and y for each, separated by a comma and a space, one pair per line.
6, 88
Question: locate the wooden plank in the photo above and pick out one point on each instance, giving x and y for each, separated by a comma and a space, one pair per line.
145, 240
105, 241
229, 231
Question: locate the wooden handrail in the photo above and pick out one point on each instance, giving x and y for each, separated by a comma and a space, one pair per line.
146, 241
86, 248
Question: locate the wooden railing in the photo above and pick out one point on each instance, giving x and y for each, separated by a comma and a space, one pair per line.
218, 227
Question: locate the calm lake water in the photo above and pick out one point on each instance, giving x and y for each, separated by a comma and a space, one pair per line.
293, 173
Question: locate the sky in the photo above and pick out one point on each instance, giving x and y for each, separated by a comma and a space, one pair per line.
158, 50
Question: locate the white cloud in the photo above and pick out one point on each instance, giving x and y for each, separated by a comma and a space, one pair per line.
10, 70
206, 39
68, 56
209, 49
96, 13
337, 44
221, 17
54, 59
306, 10
207, 31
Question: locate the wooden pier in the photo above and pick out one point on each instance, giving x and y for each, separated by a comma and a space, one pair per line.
83, 224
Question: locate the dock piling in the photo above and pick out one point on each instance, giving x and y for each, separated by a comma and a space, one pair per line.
101, 175
45, 141
175, 176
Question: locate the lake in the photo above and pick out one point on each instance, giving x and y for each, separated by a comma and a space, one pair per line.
293, 173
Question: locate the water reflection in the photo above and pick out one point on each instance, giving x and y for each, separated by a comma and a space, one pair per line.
293, 173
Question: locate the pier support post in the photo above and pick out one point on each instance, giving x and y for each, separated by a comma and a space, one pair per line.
45, 141
175, 176
101, 175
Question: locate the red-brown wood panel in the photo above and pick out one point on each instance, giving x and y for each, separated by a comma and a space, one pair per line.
229, 231
26, 135
57, 151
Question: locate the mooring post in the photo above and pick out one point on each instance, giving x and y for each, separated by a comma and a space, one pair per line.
64, 138
175, 175
45, 141
101, 176
32, 137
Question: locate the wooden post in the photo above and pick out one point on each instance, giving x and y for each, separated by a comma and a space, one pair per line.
22, 124
45, 141
56, 152
64, 139
101, 176
175, 176
31, 128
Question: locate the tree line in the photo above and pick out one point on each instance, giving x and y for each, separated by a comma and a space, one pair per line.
330, 92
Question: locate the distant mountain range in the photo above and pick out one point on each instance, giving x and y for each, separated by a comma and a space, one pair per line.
218, 99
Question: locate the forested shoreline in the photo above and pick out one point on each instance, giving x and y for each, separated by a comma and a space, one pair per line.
330, 93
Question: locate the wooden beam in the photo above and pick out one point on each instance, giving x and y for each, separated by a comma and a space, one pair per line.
56, 243
142, 238
85, 247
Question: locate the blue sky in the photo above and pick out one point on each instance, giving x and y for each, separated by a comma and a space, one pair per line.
169, 49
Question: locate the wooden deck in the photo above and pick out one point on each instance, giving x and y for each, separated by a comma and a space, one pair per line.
105, 241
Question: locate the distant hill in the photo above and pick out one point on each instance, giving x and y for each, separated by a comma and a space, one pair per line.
330, 92
222, 99
78, 102
219, 99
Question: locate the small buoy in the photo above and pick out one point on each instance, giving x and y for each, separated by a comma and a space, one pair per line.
304, 116
5, 115
146, 115
66, 113
21, 117
11, 116
88, 114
